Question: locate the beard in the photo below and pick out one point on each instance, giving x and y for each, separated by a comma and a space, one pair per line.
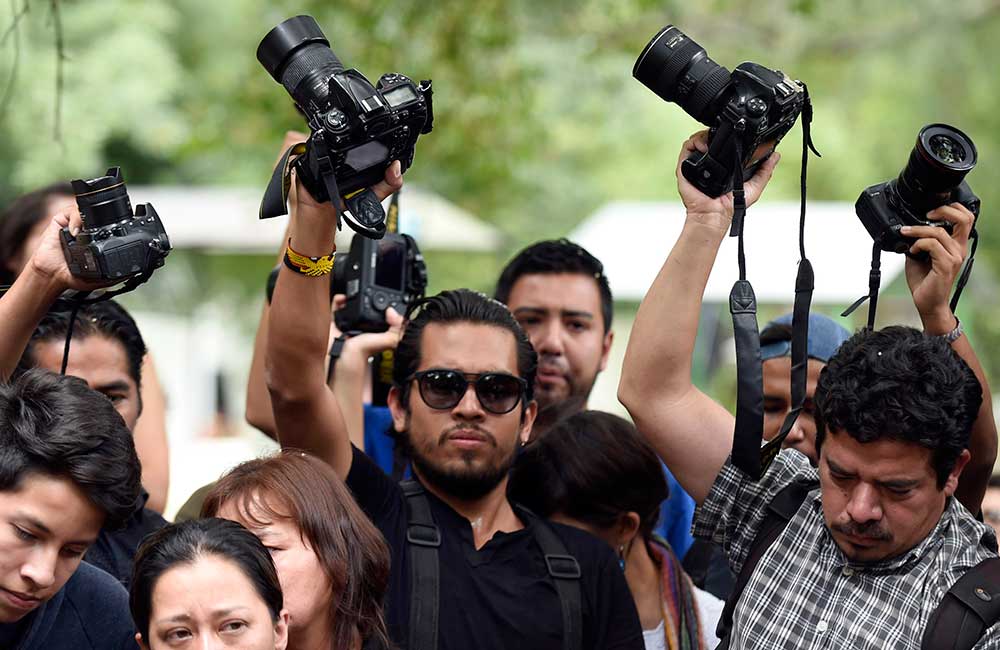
467, 482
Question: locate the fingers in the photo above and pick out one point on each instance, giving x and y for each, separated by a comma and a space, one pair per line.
940, 247
959, 216
291, 138
394, 318
392, 183
755, 186
697, 142
339, 301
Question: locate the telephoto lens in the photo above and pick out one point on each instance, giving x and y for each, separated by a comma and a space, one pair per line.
103, 201
679, 70
939, 162
298, 56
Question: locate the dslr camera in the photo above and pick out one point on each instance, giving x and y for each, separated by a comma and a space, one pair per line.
933, 176
375, 275
747, 111
357, 129
114, 243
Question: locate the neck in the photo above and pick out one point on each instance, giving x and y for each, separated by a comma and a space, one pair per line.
643, 577
488, 515
316, 635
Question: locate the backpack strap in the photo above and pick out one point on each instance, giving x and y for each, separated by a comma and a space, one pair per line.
779, 512
565, 573
968, 609
423, 538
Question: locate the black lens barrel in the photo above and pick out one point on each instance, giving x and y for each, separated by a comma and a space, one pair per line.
298, 56
103, 201
927, 178
678, 69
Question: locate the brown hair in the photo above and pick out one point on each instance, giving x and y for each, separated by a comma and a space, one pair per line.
296, 486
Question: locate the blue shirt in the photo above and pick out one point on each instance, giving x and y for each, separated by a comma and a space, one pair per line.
676, 515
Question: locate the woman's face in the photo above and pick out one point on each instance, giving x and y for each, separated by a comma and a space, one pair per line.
308, 592
211, 605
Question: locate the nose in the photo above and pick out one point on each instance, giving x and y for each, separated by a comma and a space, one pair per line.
40, 569
864, 504
550, 340
469, 408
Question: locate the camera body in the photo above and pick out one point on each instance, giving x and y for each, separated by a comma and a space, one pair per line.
114, 243
375, 275
749, 110
357, 129
934, 176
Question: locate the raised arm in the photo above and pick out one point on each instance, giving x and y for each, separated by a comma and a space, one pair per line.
306, 412
931, 280
692, 433
150, 436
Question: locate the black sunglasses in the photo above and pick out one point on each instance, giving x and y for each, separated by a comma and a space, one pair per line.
498, 392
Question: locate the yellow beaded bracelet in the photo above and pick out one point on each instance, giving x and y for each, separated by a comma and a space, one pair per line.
310, 266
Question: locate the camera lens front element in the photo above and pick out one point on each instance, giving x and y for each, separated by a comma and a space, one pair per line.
103, 201
946, 149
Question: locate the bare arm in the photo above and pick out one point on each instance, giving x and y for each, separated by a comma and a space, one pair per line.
306, 412
150, 436
931, 281
692, 433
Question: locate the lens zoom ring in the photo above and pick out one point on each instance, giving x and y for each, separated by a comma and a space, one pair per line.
307, 60
676, 61
706, 90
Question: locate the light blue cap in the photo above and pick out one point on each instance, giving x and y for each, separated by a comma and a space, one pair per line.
825, 336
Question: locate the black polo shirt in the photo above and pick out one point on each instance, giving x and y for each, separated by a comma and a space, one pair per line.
499, 597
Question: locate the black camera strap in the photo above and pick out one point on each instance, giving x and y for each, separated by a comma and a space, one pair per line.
875, 281
747, 454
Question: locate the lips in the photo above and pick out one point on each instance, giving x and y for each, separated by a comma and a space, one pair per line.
20, 600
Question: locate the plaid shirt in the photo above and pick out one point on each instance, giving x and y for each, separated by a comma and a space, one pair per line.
805, 594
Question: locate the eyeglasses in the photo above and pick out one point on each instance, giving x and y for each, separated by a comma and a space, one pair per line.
497, 392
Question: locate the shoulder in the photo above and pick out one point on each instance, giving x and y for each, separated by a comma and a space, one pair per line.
100, 603
588, 550
967, 542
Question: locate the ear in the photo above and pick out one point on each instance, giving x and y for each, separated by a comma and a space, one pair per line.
399, 412
527, 421
951, 484
281, 631
627, 528
138, 640
606, 349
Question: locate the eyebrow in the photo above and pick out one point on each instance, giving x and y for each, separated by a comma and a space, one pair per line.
35, 523
218, 613
119, 385
572, 313
896, 484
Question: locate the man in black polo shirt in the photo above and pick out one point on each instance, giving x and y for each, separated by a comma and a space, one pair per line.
464, 374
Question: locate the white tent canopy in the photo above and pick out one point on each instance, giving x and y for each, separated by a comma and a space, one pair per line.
633, 239
225, 218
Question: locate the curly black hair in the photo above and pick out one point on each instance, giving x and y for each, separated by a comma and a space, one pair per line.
556, 256
901, 384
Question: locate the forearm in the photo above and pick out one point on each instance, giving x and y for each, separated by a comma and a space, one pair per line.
348, 387
973, 481
305, 412
691, 432
258, 410
658, 357
21, 309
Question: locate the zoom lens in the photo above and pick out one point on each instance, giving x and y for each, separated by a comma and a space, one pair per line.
298, 56
939, 162
679, 70
103, 201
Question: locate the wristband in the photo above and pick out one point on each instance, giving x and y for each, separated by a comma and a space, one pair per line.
309, 266
953, 335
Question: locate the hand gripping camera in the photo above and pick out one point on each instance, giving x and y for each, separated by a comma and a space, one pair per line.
114, 243
933, 176
376, 275
747, 111
357, 129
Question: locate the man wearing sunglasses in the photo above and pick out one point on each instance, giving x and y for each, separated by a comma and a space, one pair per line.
462, 399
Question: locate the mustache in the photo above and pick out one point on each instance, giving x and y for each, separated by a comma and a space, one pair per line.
871, 530
466, 429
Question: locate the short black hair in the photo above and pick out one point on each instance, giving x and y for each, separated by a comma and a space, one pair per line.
775, 333
17, 220
898, 383
459, 306
105, 318
56, 426
593, 467
556, 256
184, 543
